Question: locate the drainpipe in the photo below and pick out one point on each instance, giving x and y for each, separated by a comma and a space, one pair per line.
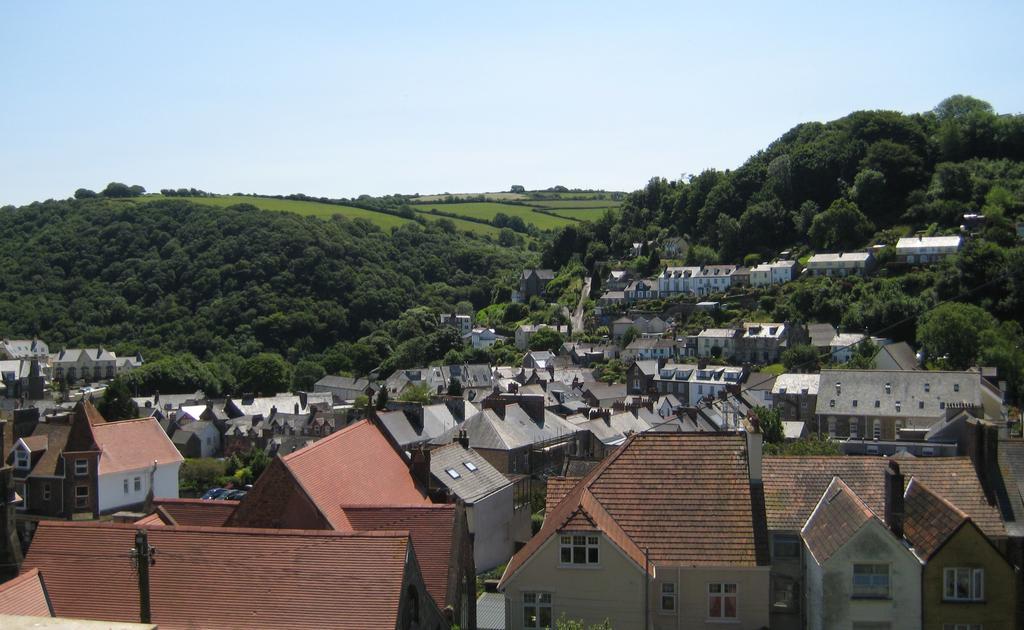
647, 585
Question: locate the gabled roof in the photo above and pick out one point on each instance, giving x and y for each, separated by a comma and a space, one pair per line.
354, 466
432, 528
471, 485
218, 577
901, 354
133, 445
793, 486
655, 493
821, 334
515, 430
25, 595
197, 511
839, 514
929, 519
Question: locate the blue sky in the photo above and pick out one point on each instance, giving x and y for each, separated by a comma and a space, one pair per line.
341, 99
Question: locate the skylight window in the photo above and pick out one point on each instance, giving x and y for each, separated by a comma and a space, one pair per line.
470, 466
454, 474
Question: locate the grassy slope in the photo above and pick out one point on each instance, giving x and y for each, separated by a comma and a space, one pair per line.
581, 214
487, 211
576, 203
311, 208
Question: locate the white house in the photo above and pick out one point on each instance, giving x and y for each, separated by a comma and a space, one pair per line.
714, 279
676, 280
841, 264
135, 455
496, 521
482, 337
926, 249
463, 323
843, 346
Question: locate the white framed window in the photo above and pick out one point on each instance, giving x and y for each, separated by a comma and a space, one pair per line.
668, 597
537, 610
877, 429
579, 550
81, 496
138, 484
721, 600
22, 459
963, 585
853, 429
81, 467
126, 486
871, 581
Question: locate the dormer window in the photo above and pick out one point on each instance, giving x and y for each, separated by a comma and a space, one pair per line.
22, 459
832, 403
839, 388
898, 405
956, 387
888, 388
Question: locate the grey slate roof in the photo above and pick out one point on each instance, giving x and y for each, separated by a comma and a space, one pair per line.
471, 485
906, 387
343, 382
1011, 467
408, 431
821, 334
516, 430
901, 354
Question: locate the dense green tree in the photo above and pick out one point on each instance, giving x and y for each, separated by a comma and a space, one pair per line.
951, 334
771, 425
85, 193
629, 336
546, 339
176, 374
265, 374
117, 403
842, 227
307, 373
801, 358
960, 106
454, 387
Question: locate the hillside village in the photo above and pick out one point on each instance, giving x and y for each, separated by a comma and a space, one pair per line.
652, 475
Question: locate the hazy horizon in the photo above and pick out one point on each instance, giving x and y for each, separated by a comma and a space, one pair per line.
343, 100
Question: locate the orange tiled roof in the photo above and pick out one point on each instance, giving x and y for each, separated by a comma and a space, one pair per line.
219, 577
684, 497
197, 511
432, 528
839, 514
793, 486
558, 487
354, 466
133, 445
25, 595
929, 520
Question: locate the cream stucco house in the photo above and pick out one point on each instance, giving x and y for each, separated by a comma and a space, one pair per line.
667, 532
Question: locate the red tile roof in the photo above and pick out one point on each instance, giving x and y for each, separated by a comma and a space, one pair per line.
838, 516
354, 466
207, 577
25, 595
128, 445
432, 528
793, 486
929, 519
197, 511
684, 497
557, 488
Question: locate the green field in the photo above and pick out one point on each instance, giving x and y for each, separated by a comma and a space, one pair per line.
499, 196
576, 203
464, 226
581, 214
487, 210
309, 208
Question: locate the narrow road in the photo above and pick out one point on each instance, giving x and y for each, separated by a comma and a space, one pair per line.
577, 315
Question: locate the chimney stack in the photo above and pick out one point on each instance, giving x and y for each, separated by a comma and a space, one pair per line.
463, 439
894, 499
755, 446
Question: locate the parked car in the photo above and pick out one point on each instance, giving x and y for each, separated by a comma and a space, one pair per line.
234, 495
215, 493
